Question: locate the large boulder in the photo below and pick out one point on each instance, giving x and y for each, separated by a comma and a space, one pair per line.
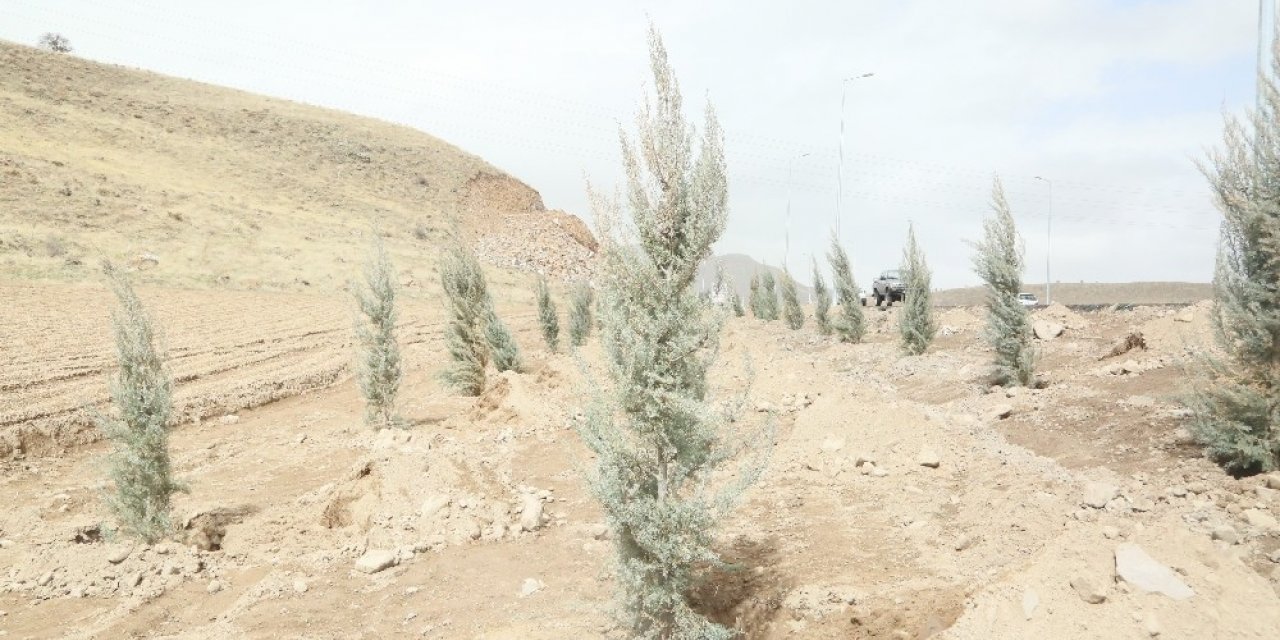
1047, 330
1136, 567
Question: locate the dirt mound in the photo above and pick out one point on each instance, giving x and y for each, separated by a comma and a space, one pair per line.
1059, 313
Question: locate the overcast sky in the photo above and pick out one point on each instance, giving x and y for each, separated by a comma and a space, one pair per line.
1111, 100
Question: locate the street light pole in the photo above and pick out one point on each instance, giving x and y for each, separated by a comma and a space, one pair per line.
786, 251
844, 85
1048, 243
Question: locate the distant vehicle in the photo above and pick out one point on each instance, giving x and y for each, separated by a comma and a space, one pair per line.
889, 288
1028, 299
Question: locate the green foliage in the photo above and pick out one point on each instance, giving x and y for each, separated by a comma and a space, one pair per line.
850, 325
768, 296
998, 261
753, 297
792, 312
467, 302
379, 370
580, 314
657, 441
502, 345
822, 302
917, 325
1236, 401
142, 395
735, 301
548, 320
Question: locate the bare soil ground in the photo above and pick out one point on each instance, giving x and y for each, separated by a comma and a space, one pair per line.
847, 535
1093, 293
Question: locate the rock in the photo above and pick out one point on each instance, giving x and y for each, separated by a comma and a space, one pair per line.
878, 473
863, 458
1273, 481
1000, 412
134, 579
831, 445
1226, 533
1098, 494
1150, 624
1178, 492
530, 512
600, 531
1135, 567
1111, 533
214, 586
119, 554
1260, 520
928, 458
1185, 316
300, 586
1087, 591
229, 419
431, 506
965, 541
1030, 602
45, 579
1046, 330
375, 560
1274, 556
530, 586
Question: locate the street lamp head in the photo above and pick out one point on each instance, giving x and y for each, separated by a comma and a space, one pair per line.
860, 76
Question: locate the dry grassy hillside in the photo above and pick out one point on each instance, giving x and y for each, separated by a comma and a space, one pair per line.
205, 186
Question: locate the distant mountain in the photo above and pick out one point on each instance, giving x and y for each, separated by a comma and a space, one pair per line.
739, 268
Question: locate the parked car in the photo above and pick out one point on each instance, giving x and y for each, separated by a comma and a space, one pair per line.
889, 288
1028, 299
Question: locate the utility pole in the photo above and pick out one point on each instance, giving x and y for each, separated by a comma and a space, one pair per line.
844, 85
786, 251
1048, 243
1266, 42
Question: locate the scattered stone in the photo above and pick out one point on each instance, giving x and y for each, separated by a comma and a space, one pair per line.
1273, 481
1111, 533
878, 473
1226, 533
134, 579
1151, 625
863, 458
1136, 567
1098, 494
300, 586
1000, 412
965, 541
5, 543
1178, 492
1088, 591
530, 587
375, 560
214, 586
119, 553
831, 445
929, 458
1046, 330
1197, 487
45, 579
1030, 602
600, 531
431, 506
1260, 520
229, 419
530, 512
1274, 556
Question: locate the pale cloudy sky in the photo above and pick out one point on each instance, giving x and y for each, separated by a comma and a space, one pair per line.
1112, 100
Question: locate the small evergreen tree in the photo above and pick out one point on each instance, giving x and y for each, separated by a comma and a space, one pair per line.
916, 323
466, 297
735, 301
1236, 403
754, 299
792, 313
657, 441
822, 302
142, 392
851, 325
548, 320
55, 42
998, 262
379, 371
502, 345
768, 296
580, 314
